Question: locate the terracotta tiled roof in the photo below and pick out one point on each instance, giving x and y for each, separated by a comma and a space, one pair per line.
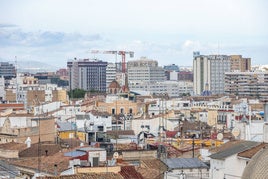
129, 172
150, 173
114, 84
33, 150
13, 146
12, 106
46, 163
251, 152
152, 168
71, 142
171, 134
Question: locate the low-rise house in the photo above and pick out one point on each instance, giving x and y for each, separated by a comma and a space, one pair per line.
18, 127
228, 162
67, 130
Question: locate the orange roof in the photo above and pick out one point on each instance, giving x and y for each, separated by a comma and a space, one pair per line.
130, 172
11, 105
251, 152
13, 146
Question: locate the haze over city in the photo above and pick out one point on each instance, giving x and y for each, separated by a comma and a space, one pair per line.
167, 31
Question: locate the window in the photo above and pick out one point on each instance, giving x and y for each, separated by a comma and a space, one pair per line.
122, 110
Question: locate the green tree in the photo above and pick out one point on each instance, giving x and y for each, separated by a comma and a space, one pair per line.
77, 93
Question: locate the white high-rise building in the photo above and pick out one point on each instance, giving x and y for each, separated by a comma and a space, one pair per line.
209, 73
110, 73
145, 70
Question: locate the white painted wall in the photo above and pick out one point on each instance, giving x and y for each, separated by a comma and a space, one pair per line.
230, 168
173, 76
153, 123
18, 122
45, 108
99, 153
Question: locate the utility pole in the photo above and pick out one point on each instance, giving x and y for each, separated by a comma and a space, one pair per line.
193, 144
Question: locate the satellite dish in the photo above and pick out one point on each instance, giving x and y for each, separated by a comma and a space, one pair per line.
220, 136
115, 155
235, 132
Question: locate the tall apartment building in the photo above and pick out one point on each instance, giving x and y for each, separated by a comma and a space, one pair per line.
238, 63
209, 72
145, 70
7, 70
87, 74
248, 84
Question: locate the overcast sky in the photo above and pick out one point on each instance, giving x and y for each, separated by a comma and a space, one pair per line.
54, 31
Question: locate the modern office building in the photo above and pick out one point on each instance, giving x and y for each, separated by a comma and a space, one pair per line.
87, 74
238, 63
209, 73
145, 70
247, 84
7, 70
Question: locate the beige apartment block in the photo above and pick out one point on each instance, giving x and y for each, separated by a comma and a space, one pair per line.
59, 95
119, 107
238, 63
247, 84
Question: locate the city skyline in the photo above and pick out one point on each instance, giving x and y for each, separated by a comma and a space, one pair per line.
55, 31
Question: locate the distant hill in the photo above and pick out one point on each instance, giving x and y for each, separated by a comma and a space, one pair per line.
35, 66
